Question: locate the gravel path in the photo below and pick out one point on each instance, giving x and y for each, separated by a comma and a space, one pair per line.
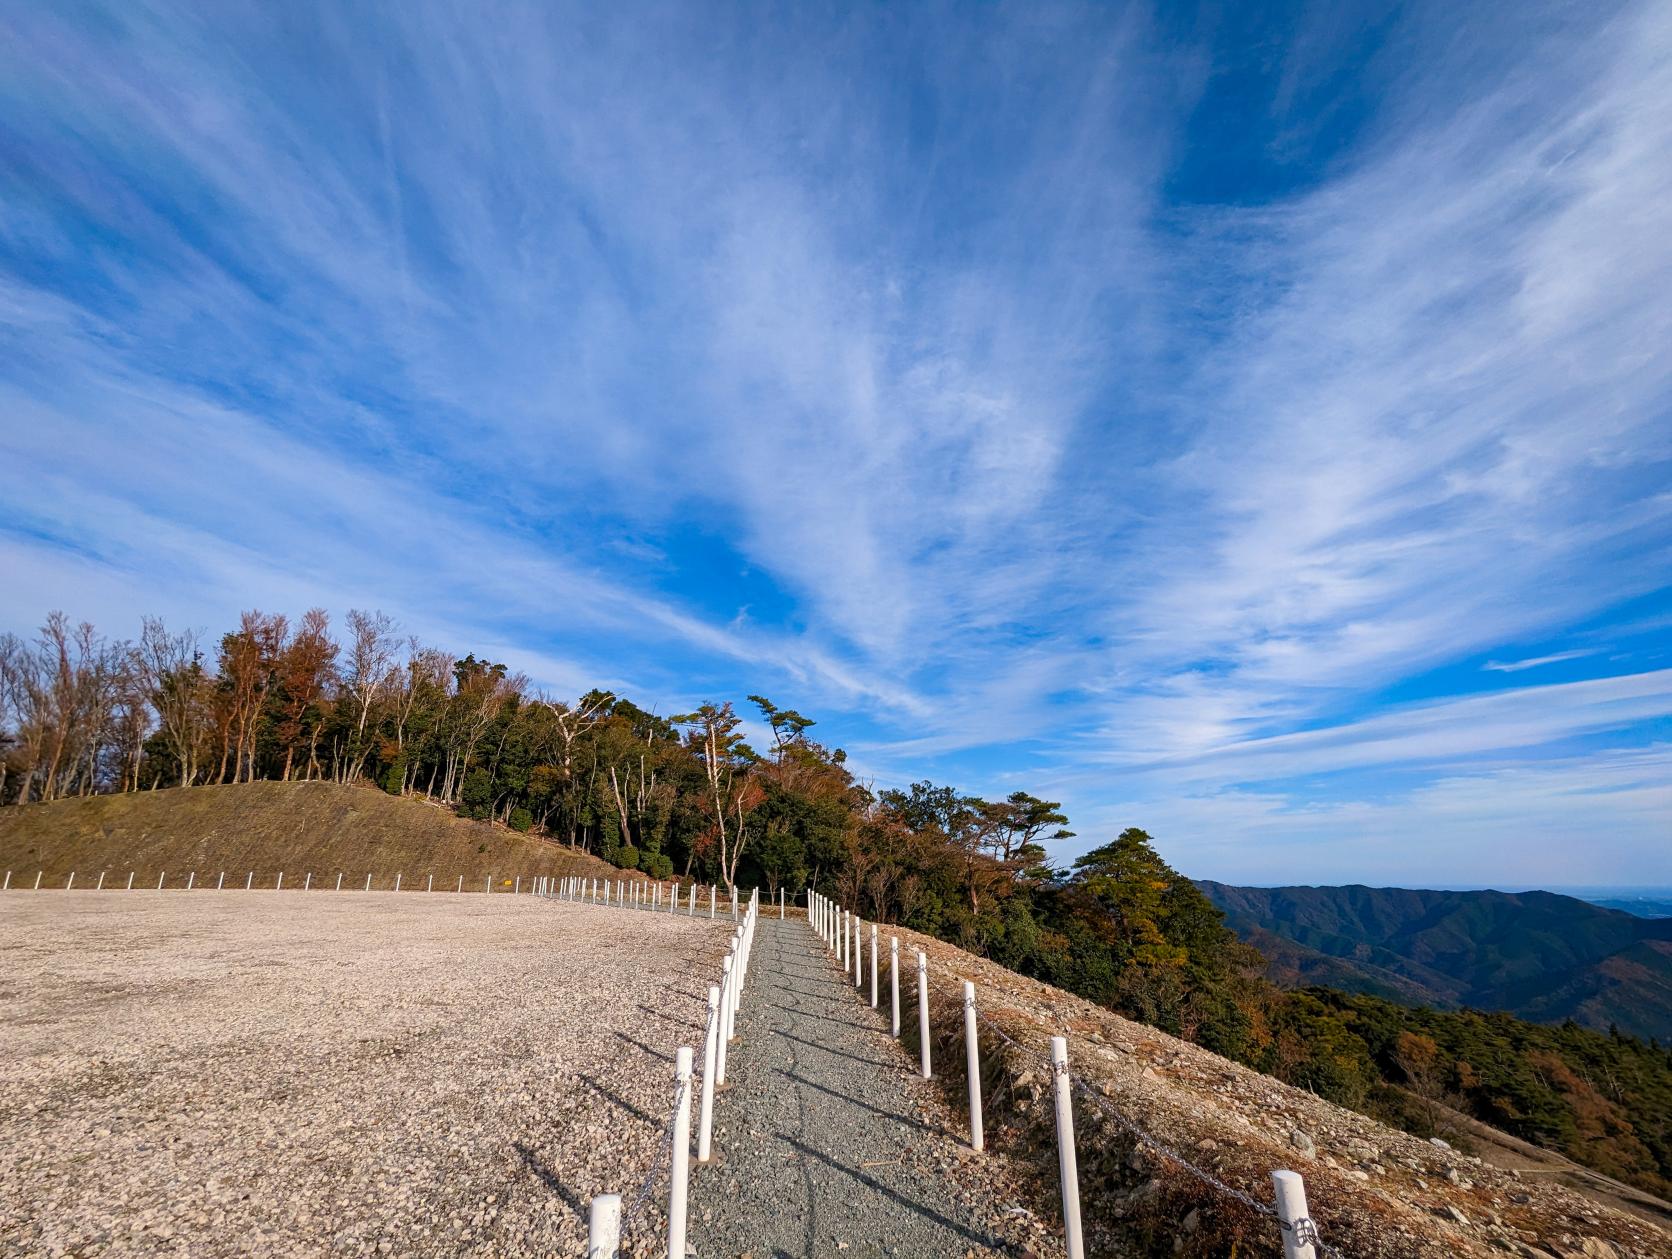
827, 1140
210, 1074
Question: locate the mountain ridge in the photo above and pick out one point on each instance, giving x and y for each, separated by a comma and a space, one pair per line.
1541, 955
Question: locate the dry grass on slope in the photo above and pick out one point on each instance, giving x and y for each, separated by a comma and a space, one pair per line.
268, 827
1374, 1191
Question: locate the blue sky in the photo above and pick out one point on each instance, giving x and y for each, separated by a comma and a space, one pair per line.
1247, 422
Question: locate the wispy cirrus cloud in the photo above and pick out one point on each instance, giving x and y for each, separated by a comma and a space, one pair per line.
1538, 662
934, 371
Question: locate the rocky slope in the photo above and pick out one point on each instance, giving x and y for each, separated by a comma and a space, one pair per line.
1374, 1191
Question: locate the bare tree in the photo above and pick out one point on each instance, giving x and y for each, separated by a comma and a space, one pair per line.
366, 675
172, 678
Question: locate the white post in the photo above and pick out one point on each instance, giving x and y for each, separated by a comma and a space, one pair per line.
711, 900
679, 1178
160, 879
430, 886
220, 883
38, 874
368, 881
923, 1011
515, 891
339, 880
710, 1049
279, 886
307, 883
780, 904
873, 965
130, 880
70, 886
461, 882
842, 939
972, 1063
190, 879
397, 880
603, 1234
858, 952
734, 902
249, 880
725, 1001
488, 886
8, 884
1067, 1165
1297, 1226
894, 985
99, 888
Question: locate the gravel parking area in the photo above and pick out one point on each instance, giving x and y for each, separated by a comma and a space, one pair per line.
293, 1073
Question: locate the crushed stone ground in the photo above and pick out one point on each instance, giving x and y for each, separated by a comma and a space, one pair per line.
288, 1073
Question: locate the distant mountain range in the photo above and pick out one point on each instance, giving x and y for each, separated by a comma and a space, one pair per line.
1541, 956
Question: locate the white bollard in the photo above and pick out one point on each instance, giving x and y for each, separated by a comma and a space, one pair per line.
725, 1002
515, 891
190, 879
461, 882
873, 965
734, 902
368, 882
679, 1178
160, 879
38, 874
430, 886
220, 883
923, 1011
710, 1050
307, 882
130, 880
100, 887
858, 952
70, 886
8, 884
603, 1231
711, 900
780, 904
397, 880
249, 880
894, 985
972, 1063
1067, 1165
339, 880
1299, 1232
279, 886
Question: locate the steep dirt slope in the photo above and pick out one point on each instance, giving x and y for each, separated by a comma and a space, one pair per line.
268, 827
1373, 1190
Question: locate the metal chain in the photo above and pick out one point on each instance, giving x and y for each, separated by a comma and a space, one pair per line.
662, 1161
1306, 1230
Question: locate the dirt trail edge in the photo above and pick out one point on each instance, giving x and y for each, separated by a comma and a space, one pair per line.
825, 1141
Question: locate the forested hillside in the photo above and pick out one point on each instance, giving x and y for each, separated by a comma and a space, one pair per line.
687, 795
1542, 956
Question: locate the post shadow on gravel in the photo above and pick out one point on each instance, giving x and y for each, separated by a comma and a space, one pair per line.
814, 1135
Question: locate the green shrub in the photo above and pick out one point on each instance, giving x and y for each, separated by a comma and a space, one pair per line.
476, 796
521, 819
627, 857
659, 865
